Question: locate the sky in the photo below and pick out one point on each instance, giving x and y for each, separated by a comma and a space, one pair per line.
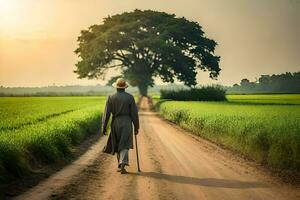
38, 37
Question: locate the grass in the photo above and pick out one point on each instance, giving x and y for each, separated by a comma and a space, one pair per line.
265, 128
35, 130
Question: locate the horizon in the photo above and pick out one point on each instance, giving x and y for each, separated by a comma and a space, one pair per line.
254, 37
254, 80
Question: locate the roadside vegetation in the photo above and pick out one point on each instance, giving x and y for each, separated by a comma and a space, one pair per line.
42, 130
208, 93
265, 128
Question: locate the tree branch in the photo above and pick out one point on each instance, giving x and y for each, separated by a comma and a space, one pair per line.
125, 60
112, 66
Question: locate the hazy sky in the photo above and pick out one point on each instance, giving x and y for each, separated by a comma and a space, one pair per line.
38, 37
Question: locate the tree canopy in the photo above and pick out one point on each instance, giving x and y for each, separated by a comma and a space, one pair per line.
146, 44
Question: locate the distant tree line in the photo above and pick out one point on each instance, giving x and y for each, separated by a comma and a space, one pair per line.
277, 83
68, 90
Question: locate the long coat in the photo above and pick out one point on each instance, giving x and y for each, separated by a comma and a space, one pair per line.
124, 113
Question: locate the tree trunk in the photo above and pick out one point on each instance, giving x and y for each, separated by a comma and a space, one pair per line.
143, 89
140, 75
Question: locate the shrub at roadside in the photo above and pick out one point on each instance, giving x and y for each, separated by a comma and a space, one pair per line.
208, 93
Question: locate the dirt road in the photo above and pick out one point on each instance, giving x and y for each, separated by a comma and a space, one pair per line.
175, 165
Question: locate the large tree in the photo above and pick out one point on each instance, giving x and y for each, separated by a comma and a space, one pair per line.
144, 45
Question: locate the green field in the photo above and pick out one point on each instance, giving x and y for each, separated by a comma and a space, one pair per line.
290, 99
43, 129
265, 128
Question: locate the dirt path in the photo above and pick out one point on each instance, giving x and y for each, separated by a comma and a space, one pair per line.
175, 165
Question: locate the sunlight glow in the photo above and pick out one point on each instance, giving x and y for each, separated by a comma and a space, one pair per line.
10, 13
11, 17
8, 8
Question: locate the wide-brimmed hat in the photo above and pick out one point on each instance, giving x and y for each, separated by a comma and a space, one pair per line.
120, 83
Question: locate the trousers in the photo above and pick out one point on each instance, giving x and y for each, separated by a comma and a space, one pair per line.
123, 157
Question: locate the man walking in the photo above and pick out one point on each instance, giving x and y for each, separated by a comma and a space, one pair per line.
124, 113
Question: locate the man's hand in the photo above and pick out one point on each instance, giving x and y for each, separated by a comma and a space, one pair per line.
136, 132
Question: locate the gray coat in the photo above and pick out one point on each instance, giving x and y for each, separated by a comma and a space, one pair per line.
124, 113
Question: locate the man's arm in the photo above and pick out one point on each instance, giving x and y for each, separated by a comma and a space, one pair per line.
134, 116
106, 115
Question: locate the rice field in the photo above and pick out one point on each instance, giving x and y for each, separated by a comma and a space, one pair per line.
265, 128
289, 99
43, 129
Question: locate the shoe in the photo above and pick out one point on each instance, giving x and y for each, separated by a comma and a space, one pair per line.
119, 168
123, 171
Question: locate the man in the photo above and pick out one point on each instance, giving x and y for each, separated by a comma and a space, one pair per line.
124, 113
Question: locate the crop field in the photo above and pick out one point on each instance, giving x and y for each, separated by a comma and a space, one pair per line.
289, 99
265, 128
43, 129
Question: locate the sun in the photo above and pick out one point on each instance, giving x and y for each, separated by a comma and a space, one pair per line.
10, 17
10, 11
8, 7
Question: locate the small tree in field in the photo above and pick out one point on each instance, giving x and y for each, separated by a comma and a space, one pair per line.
144, 45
